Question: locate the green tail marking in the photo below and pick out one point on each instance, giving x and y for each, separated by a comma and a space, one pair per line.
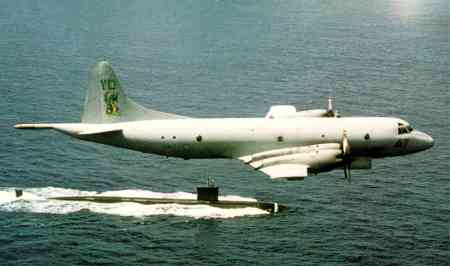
106, 101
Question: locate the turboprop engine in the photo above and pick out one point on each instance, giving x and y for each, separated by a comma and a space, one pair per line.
309, 159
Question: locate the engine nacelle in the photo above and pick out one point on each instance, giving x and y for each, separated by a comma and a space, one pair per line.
318, 158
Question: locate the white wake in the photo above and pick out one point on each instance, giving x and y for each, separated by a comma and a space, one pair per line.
36, 200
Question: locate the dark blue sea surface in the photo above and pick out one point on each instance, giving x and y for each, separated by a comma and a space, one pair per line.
224, 59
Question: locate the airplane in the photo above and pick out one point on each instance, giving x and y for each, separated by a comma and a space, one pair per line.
285, 144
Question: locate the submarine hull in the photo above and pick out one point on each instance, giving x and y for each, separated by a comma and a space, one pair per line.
267, 206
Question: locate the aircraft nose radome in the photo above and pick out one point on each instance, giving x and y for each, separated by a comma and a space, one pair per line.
425, 141
429, 140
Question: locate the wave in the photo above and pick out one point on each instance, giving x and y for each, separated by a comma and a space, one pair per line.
36, 200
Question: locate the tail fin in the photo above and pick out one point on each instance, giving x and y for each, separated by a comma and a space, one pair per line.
106, 102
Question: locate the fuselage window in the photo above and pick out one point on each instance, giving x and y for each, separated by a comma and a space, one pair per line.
403, 129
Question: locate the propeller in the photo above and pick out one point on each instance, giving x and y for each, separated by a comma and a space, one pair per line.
330, 111
346, 156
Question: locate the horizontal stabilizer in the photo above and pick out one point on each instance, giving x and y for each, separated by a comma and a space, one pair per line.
34, 126
73, 129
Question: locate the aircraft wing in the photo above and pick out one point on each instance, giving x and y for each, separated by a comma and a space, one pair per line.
294, 163
275, 167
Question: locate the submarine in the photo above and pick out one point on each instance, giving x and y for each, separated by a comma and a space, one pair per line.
207, 195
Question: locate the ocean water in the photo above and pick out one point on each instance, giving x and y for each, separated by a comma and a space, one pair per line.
223, 59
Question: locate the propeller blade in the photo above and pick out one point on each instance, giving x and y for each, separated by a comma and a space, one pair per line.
346, 156
345, 145
349, 173
330, 104
330, 109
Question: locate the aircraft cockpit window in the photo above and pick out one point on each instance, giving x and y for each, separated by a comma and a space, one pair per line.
404, 129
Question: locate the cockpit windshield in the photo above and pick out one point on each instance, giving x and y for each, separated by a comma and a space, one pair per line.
404, 129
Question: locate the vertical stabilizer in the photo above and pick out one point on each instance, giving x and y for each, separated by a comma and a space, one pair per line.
106, 101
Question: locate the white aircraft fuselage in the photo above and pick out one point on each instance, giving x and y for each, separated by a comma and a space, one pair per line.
236, 137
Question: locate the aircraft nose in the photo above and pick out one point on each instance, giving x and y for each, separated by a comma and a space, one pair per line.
429, 141
423, 141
